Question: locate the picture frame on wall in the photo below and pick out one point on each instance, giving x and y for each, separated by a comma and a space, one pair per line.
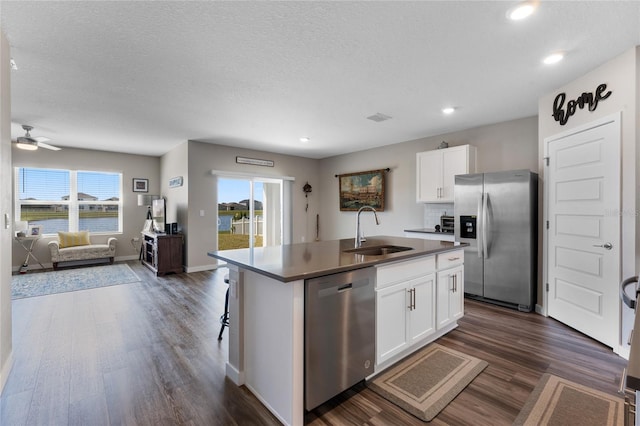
175, 182
361, 189
140, 185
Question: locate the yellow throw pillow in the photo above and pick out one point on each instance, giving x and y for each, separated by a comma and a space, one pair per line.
71, 239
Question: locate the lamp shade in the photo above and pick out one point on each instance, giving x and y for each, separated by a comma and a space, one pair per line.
146, 199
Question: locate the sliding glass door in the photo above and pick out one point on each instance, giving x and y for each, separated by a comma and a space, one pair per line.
249, 212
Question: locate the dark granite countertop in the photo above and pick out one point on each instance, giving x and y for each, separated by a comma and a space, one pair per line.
428, 231
309, 260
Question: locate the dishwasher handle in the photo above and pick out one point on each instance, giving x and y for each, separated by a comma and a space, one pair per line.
345, 287
623, 294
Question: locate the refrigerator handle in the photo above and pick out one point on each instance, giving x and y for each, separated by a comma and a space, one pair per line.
485, 213
479, 222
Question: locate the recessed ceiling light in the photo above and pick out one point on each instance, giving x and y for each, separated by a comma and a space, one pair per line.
378, 117
521, 11
304, 139
448, 110
553, 58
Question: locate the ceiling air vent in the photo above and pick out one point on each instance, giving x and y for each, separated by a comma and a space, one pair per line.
378, 117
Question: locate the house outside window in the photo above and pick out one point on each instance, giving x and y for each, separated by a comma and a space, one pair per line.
69, 200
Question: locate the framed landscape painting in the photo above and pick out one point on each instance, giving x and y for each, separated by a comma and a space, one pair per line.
362, 189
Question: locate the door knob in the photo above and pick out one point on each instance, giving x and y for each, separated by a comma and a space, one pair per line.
607, 246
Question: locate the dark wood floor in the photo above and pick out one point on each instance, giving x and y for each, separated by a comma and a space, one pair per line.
147, 354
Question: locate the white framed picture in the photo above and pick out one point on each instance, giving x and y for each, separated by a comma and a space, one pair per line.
34, 231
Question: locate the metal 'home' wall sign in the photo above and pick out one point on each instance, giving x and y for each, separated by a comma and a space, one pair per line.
590, 100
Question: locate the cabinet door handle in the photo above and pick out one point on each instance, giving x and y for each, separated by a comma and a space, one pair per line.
413, 290
451, 259
412, 299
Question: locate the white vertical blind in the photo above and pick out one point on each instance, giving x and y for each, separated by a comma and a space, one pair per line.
69, 200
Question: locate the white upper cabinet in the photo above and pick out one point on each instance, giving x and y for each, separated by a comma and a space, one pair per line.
436, 171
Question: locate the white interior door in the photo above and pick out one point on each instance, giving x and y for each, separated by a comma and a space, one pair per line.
583, 252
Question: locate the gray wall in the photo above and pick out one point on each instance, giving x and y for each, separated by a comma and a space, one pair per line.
622, 75
131, 166
175, 164
501, 146
203, 157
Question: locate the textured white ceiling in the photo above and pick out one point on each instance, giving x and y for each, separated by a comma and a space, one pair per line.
145, 76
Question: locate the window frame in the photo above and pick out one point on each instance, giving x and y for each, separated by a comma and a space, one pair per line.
73, 204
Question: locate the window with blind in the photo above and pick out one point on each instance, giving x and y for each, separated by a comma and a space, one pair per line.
69, 200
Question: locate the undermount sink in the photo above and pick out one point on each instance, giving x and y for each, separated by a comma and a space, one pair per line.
377, 250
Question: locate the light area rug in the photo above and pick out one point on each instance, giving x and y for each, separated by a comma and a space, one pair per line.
50, 282
556, 401
428, 380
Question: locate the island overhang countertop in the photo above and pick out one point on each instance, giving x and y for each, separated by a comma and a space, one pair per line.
291, 262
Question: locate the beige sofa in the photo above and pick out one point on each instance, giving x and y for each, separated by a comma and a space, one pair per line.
82, 252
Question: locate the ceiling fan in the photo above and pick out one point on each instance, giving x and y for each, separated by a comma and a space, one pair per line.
30, 143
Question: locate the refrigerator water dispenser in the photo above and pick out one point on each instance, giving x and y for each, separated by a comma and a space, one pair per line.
468, 227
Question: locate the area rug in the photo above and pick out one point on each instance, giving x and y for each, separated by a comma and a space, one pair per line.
43, 283
426, 382
556, 401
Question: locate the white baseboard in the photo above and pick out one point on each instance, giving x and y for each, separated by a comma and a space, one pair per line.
234, 375
540, 310
130, 257
200, 268
623, 351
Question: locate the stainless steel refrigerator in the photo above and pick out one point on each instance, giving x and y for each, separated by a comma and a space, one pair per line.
496, 213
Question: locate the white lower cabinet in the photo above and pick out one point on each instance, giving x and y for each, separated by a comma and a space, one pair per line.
405, 315
417, 301
450, 296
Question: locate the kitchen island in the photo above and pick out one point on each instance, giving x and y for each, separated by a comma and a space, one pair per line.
267, 307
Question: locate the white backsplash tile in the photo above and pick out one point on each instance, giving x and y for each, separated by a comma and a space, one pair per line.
432, 213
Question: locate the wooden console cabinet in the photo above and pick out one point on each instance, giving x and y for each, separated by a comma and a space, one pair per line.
162, 253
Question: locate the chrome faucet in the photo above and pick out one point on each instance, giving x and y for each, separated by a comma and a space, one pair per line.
359, 237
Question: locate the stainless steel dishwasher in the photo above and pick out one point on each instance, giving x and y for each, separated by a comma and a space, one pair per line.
339, 333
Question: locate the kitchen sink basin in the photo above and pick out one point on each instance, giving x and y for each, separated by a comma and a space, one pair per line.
377, 250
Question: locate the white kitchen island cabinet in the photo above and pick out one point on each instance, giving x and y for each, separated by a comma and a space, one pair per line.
436, 171
417, 301
267, 287
450, 296
450, 288
405, 300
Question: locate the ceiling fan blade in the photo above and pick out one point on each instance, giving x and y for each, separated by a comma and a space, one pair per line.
40, 139
47, 146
